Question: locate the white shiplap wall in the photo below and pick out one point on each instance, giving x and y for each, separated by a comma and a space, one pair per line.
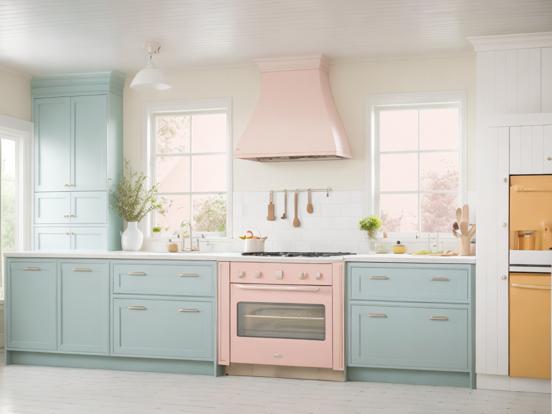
513, 77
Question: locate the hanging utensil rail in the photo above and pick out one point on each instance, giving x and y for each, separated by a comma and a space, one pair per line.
326, 190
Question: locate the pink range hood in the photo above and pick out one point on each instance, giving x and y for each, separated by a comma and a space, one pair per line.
295, 117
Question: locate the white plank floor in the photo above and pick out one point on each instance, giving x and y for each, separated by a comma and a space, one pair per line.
34, 390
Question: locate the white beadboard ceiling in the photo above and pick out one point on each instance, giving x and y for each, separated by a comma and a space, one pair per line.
40, 36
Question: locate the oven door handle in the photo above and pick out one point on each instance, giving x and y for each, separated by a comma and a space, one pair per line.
280, 288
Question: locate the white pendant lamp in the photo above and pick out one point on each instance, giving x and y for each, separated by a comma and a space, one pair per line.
150, 77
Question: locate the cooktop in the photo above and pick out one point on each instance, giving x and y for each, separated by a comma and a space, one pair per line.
297, 254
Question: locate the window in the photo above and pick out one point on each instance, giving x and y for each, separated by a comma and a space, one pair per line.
418, 166
9, 214
190, 163
15, 197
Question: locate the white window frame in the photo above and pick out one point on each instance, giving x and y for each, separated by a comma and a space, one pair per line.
22, 133
372, 151
192, 107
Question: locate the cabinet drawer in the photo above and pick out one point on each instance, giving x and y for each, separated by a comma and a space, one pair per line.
163, 328
163, 279
413, 284
405, 337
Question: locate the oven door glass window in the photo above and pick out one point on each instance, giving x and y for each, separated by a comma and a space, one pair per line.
282, 320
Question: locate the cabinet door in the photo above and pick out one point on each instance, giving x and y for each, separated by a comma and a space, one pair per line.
530, 325
84, 310
53, 140
31, 305
386, 336
163, 328
531, 149
88, 238
89, 144
89, 207
547, 134
52, 238
52, 208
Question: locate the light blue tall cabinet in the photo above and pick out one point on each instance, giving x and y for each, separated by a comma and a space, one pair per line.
77, 160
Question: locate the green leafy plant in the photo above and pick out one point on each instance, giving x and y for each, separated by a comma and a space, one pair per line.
156, 229
132, 199
371, 224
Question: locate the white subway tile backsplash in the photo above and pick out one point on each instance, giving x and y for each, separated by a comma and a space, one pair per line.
332, 226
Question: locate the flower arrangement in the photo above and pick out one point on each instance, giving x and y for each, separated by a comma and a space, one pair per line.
370, 224
132, 199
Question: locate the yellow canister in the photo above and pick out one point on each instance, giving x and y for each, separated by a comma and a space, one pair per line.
399, 248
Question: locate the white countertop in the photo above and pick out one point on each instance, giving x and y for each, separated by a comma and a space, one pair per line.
233, 257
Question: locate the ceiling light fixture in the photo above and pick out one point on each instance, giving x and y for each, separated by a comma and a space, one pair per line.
150, 76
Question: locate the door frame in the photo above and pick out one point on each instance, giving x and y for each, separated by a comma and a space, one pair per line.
22, 132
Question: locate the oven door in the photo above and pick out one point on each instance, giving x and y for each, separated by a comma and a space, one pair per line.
281, 325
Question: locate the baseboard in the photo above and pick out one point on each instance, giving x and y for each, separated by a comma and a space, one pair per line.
416, 377
506, 383
110, 362
276, 371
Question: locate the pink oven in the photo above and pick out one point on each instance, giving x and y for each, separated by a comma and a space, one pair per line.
288, 314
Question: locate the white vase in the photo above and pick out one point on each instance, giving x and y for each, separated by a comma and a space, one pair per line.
132, 238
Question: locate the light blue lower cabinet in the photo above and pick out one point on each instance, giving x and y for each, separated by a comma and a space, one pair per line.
409, 323
84, 307
412, 337
163, 328
64, 313
31, 305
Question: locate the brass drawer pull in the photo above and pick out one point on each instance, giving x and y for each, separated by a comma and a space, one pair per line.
137, 307
377, 315
440, 279
535, 287
136, 273
184, 274
188, 310
32, 269
378, 277
439, 318
82, 269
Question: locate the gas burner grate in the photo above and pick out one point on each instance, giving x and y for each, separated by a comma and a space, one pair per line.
298, 254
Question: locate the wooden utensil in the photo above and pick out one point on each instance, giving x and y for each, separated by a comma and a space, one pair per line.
296, 222
284, 215
271, 215
310, 207
463, 231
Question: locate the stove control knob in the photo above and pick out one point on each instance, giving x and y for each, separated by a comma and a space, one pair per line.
258, 275
318, 276
279, 274
241, 275
303, 276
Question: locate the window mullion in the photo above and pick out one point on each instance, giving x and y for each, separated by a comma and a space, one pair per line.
419, 179
190, 202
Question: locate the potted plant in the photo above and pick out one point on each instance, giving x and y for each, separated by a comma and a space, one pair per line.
133, 201
371, 225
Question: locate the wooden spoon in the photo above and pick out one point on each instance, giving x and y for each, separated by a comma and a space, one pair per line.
458, 215
310, 207
296, 222
271, 216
